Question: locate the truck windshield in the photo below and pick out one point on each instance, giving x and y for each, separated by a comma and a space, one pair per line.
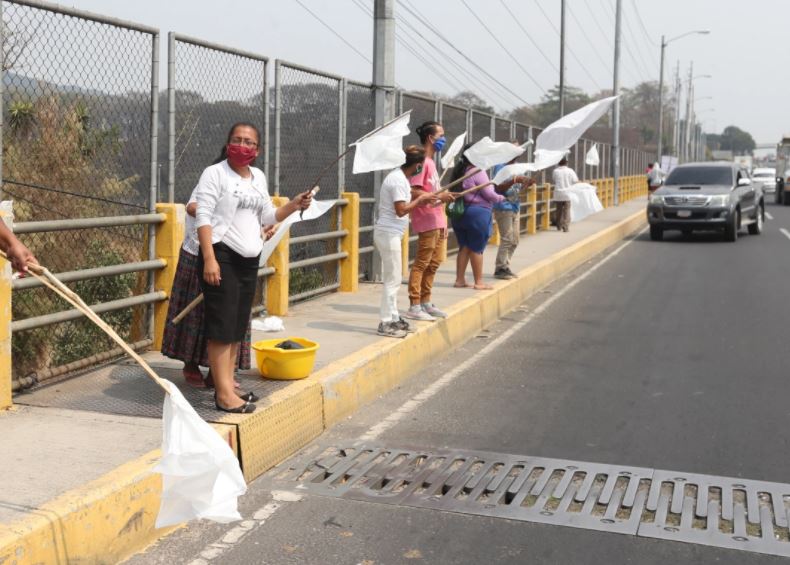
700, 175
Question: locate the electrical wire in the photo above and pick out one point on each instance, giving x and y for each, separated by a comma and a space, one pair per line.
587, 37
529, 37
67, 193
340, 37
409, 8
504, 48
642, 23
570, 49
637, 43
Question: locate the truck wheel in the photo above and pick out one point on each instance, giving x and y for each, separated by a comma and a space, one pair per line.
656, 233
786, 198
731, 229
778, 195
757, 227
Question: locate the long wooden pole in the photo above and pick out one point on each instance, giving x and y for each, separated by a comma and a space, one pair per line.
53, 283
458, 181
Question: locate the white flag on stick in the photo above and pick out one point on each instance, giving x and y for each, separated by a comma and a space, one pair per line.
201, 477
543, 160
593, 159
455, 147
317, 209
383, 147
486, 153
566, 131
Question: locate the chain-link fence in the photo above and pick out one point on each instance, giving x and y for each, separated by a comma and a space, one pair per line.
308, 137
77, 143
481, 126
423, 109
210, 87
360, 109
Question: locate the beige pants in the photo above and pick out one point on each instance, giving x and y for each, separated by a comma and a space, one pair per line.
508, 224
431, 252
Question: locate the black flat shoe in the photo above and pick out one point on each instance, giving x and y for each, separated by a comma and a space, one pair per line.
249, 397
246, 408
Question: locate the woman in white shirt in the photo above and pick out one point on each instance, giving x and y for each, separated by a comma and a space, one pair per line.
395, 203
564, 177
233, 204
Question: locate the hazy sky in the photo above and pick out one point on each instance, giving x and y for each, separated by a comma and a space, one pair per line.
746, 52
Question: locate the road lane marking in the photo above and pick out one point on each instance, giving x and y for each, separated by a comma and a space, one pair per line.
769, 216
416, 401
233, 536
784, 231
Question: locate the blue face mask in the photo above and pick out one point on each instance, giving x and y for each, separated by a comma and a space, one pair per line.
440, 143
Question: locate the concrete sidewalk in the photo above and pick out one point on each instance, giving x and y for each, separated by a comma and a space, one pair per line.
78, 453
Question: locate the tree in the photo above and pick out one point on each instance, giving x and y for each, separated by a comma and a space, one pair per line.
736, 140
548, 110
469, 99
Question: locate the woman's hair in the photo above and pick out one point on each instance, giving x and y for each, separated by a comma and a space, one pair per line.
224, 153
460, 165
426, 130
414, 154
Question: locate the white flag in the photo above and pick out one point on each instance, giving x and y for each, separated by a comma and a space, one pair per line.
317, 209
592, 158
566, 131
486, 153
201, 477
383, 147
543, 160
455, 147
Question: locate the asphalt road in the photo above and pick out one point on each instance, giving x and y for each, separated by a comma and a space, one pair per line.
670, 355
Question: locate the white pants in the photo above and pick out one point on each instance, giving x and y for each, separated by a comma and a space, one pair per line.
389, 247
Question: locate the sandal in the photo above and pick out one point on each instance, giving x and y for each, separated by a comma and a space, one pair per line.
246, 408
249, 397
208, 380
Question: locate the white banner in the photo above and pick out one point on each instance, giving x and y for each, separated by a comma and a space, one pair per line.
317, 209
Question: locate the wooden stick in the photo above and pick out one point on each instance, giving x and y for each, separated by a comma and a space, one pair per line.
53, 283
189, 307
474, 188
462, 179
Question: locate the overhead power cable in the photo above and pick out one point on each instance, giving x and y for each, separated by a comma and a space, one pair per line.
504, 48
336, 34
644, 27
529, 37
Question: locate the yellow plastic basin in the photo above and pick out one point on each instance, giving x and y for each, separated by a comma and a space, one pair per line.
285, 364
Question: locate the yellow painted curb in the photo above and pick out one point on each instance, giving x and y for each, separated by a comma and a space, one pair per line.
359, 378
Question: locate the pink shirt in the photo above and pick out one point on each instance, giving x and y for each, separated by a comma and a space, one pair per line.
427, 217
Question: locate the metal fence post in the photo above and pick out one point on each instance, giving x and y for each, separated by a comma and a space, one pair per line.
265, 97
531, 145
278, 102
341, 137
154, 157
171, 117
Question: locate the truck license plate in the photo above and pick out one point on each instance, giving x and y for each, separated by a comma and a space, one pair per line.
684, 213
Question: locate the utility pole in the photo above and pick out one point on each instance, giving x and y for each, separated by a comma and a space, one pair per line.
616, 109
660, 102
676, 117
562, 58
687, 136
383, 85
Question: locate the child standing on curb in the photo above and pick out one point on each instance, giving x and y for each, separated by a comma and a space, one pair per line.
394, 204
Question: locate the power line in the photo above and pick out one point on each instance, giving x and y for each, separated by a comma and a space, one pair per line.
340, 37
634, 77
461, 69
407, 5
642, 23
505, 49
528, 36
638, 43
587, 37
570, 49
604, 33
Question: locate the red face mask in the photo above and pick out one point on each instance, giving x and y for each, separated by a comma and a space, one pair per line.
240, 155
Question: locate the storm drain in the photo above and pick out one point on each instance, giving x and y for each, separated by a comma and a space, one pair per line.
702, 509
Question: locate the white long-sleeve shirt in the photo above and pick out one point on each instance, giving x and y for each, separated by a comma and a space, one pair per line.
563, 178
220, 194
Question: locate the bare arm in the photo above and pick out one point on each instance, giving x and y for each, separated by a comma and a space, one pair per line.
402, 208
15, 250
211, 270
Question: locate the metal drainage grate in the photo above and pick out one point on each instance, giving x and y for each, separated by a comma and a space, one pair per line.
702, 509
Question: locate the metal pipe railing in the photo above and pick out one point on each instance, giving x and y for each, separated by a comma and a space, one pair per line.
318, 260
98, 272
87, 223
66, 315
319, 236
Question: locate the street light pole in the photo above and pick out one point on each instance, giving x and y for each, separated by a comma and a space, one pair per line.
562, 58
616, 108
660, 103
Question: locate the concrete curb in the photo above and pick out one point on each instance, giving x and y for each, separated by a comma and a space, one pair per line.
113, 517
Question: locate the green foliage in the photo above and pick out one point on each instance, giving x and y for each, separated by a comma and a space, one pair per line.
304, 279
86, 338
733, 139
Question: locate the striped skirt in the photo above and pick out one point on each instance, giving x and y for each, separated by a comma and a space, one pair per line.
186, 341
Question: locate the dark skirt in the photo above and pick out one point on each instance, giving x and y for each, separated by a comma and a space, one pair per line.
186, 341
228, 305
473, 229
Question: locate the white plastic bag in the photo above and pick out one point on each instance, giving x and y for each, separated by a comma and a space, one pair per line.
593, 159
268, 324
201, 477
